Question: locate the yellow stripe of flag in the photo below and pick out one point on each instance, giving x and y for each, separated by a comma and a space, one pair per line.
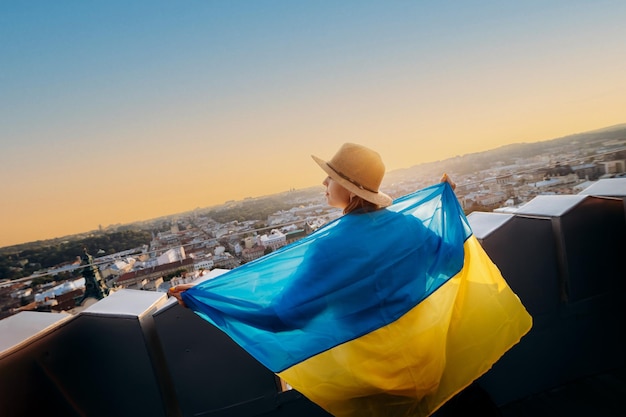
415, 364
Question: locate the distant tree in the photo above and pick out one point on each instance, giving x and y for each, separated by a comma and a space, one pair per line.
56, 252
5, 270
62, 276
179, 272
39, 281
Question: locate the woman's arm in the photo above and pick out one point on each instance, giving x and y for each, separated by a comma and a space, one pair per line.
177, 290
446, 178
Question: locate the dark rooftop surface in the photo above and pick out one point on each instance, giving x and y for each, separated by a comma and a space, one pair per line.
601, 395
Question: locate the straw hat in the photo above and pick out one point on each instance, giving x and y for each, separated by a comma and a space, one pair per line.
358, 169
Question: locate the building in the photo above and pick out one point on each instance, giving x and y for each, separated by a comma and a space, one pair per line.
137, 279
171, 255
274, 240
295, 235
588, 171
204, 263
251, 253
614, 167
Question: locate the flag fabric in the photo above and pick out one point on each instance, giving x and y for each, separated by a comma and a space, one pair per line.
384, 313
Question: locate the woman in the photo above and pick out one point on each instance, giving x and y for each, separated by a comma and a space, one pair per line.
374, 312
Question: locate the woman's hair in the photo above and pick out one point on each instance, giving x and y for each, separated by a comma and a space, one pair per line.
358, 203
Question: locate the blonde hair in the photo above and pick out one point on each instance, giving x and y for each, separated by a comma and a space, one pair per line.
357, 203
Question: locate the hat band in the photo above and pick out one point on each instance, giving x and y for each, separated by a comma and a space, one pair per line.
345, 177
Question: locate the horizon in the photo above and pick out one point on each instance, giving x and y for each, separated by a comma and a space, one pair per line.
217, 205
113, 113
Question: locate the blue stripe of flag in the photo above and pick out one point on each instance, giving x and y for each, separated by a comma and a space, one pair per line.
355, 275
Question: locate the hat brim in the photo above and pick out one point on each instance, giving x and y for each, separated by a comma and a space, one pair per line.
380, 199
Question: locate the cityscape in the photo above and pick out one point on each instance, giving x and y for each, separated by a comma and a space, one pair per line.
184, 247
154, 145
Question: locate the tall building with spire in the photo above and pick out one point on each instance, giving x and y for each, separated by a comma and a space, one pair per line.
95, 287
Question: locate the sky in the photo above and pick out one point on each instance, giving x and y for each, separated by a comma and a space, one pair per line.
113, 111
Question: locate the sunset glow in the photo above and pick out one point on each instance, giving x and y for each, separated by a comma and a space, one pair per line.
114, 112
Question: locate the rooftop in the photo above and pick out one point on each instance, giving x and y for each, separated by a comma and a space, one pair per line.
138, 353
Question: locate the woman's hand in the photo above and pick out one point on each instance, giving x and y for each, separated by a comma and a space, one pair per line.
446, 178
177, 290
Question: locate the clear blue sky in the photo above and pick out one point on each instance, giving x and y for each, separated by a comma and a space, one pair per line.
112, 112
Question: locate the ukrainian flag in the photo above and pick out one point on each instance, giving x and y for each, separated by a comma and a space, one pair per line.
387, 313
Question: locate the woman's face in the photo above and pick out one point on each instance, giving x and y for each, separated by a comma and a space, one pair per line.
336, 195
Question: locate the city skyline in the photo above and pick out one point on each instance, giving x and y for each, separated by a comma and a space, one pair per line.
115, 113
